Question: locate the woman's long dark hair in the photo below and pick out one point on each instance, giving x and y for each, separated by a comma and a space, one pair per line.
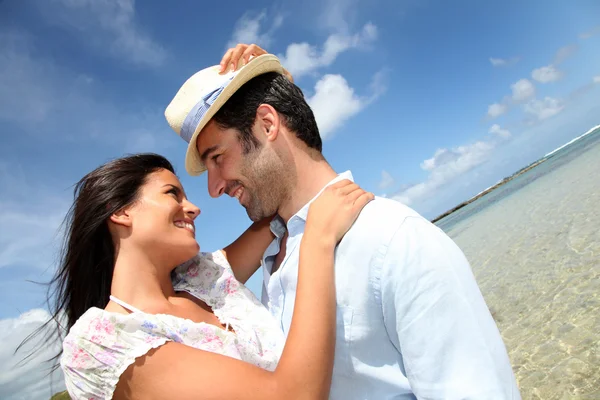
84, 275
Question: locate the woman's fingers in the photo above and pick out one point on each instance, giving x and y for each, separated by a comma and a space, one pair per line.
252, 50
239, 55
225, 60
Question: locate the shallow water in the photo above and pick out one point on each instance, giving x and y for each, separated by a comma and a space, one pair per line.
535, 251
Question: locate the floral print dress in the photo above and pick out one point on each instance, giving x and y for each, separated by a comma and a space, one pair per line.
101, 345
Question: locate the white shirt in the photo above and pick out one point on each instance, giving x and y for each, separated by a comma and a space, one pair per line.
411, 321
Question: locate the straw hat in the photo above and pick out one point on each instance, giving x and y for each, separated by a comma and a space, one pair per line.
202, 95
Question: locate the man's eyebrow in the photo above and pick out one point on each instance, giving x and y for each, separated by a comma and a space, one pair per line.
207, 152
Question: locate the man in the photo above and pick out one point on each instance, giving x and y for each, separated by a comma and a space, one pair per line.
411, 321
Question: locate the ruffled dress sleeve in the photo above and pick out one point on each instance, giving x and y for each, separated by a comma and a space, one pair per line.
207, 276
100, 347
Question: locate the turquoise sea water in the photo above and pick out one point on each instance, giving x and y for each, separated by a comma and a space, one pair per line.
534, 246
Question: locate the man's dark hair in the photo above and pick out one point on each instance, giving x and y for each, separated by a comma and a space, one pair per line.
239, 112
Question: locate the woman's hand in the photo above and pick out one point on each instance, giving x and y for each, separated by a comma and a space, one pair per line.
238, 56
335, 210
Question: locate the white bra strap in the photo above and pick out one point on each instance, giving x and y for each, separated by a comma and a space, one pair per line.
124, 305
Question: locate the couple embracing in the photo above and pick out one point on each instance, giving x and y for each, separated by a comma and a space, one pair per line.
362, 297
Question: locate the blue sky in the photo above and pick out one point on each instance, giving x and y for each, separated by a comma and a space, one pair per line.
426, 102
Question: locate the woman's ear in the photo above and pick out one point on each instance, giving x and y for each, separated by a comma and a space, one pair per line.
121, 217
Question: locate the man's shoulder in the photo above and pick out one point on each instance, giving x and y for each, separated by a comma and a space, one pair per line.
385, 211
383, 217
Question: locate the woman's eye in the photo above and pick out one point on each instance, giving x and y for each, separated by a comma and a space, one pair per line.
217, 158
173, 192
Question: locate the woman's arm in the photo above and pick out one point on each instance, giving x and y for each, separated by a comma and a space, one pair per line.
245, 253
305, 368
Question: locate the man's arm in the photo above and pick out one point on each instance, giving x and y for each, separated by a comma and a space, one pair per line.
245, 253
438, 320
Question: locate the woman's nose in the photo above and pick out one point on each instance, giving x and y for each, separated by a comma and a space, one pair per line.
191, 210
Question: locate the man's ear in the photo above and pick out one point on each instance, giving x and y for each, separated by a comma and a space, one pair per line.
269, 121
121, 217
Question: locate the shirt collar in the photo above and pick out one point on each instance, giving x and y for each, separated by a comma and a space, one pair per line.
278, 227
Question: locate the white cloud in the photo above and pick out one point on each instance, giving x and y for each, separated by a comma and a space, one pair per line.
596, 79
564, 52
504, 62
497, 130
338, 15
387, 180
378, 85
495, 110
522, 90
543, 109
248, 29
110, 26
303, 58
334, 101
590, 33
497, 62
445, 166
27, 380
546, 74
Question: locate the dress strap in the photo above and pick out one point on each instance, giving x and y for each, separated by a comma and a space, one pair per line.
125, 305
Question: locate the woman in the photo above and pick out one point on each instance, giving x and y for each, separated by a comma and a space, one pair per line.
142, 328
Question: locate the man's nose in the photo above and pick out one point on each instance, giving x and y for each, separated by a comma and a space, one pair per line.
216, 185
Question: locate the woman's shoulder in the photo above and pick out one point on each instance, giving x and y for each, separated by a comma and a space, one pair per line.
94, 325
103, 339
212, 261
99, 348
204, 276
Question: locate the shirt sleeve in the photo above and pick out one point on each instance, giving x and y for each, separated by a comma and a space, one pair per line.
437, 319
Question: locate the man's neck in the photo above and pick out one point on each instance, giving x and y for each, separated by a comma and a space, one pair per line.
312, 176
